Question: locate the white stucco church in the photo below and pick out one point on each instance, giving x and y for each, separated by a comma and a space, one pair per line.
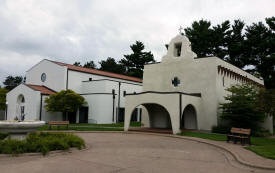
103, 92
184, 92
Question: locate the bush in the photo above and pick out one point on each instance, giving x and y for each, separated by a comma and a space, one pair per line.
3, 136
41, 142
241, 108
220, 129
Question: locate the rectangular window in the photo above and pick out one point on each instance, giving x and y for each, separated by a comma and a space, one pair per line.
177, 50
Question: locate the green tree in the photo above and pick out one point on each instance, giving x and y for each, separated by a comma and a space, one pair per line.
267, 101
251, 46
77, 64
199, 34
90, 64
3, 93
111, 65
134, 63
64, 101
12, 82
235, 45
242, 108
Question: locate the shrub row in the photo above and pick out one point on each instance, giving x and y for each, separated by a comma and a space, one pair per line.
41, 142
3, 136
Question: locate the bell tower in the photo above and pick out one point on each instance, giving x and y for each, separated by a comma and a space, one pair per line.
179, 48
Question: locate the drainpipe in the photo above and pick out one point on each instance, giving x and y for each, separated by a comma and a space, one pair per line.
118, 104
180, 107
40, 113
6, 118
113, 117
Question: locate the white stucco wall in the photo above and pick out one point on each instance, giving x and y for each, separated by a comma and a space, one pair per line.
32, 102
100, 108
196, 75
48, 116
55, 75
75, 80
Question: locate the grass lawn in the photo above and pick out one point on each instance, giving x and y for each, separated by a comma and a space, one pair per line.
262, 146
81, 128
91, 127
133, 124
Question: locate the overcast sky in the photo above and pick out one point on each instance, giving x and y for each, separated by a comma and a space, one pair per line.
83, 30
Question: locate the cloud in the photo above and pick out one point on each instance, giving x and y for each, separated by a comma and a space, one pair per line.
82, 30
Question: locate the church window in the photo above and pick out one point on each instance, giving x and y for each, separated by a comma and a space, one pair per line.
43, 77
177, 50
176, 81
223, 81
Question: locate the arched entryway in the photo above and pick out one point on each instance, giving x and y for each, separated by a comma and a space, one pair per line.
21, 107
157, 117
189, 118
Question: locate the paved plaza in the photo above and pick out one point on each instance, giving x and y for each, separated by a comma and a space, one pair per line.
121, 153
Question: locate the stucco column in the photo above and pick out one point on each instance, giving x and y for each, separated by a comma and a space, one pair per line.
175, 124
175, 119
127, 117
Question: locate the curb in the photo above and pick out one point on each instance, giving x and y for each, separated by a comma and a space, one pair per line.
235, 156
87, 147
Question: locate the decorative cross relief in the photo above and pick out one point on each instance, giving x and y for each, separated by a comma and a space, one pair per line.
176, 81
180, 29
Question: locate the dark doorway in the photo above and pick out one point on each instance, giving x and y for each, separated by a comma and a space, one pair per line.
83, 114
72, 117
121, 115
135, 115
189, 118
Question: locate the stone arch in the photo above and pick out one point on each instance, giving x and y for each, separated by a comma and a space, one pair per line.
20, 110
189, 118
158, 115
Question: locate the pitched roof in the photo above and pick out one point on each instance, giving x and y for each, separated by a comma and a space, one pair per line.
99, 72
42, 89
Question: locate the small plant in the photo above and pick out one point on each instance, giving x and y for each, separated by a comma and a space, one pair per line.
41, 142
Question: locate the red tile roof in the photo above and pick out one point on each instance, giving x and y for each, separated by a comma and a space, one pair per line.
42, 89
99, 72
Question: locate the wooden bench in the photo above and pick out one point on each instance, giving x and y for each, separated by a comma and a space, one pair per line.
58, 123
239, 134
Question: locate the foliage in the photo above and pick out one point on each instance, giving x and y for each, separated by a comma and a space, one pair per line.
41, 142
77, 64
3, 93
64, 101
3, 135
90, 64
267, 101
243, 46
220, 129
134, 63
111, 65
242, 107
12, 82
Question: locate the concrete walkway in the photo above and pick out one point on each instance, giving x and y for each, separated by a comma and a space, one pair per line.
238, 151
130, 152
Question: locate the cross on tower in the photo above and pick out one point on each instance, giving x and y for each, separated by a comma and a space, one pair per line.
176, 81
180, 29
